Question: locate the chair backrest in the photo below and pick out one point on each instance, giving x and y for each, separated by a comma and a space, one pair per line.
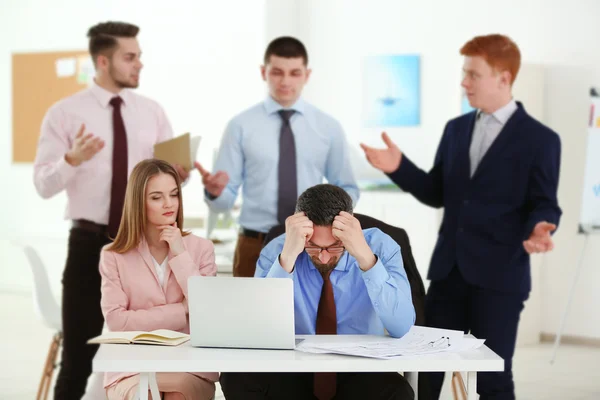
44, 300
401, 237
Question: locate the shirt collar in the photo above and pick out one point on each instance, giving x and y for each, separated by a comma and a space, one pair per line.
104, 96
343, 264
271, 106
504, 113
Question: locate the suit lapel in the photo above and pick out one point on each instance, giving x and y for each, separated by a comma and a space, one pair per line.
464, 142
144, 251
507, 135
168, 271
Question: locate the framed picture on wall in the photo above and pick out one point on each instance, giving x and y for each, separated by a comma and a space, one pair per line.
391, 91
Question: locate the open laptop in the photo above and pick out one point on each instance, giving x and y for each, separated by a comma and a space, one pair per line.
249, 313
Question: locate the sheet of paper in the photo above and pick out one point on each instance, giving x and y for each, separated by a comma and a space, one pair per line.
194, 144
469, 344
418, 341
107, 336
66, 67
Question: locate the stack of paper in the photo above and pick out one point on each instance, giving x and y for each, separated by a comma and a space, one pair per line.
418, 341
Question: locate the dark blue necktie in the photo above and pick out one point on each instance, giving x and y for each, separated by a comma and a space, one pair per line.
287, 192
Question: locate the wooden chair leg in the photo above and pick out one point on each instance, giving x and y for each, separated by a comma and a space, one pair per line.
42, 385
49, 366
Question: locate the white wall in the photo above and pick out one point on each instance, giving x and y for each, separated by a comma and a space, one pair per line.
559, 267
548, 32
202, 63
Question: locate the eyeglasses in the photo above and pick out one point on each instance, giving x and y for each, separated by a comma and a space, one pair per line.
314, 251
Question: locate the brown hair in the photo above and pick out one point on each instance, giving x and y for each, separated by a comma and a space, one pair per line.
134, 219
103, 37
499, 51
322, 203
286, 47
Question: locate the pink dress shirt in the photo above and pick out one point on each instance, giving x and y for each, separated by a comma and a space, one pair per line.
88, 185
134, 300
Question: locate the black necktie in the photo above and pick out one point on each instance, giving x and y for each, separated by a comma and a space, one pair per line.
119, 168
324, 386
287, 192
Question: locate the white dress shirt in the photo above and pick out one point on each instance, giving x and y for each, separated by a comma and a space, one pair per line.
160, 270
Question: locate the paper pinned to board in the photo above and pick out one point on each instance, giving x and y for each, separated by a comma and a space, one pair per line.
179, 150
66, 67
85, 71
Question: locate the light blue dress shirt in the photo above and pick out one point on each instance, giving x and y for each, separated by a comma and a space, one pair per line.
365, 302
249, 154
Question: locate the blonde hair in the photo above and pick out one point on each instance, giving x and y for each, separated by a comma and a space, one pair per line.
134, 218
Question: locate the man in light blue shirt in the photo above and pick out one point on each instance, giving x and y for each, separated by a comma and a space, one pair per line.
274, 151
346, 281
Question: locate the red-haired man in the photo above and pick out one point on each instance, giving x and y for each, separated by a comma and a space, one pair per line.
496, 175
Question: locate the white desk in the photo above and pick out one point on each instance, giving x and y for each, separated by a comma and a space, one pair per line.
147, 360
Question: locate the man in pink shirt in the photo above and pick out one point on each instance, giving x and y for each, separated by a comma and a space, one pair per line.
88, 146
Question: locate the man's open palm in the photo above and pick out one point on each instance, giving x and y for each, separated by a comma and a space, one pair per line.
386, 160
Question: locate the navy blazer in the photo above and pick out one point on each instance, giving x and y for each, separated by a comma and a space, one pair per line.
487, 217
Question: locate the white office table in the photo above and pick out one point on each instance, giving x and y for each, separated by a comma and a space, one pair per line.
148, 360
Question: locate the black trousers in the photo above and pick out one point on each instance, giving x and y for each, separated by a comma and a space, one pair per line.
81, 314
299, 386
453, 303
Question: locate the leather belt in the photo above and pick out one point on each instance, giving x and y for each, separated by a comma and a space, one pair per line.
90, 226
252, 234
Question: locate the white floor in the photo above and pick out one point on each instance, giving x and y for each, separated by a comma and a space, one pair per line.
24, 343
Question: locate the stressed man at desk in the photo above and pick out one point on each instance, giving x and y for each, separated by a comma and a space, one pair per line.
346, 281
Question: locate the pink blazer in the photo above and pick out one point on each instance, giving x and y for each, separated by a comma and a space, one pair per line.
133, 299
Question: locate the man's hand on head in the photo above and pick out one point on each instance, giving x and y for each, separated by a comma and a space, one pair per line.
347, 229
298, 229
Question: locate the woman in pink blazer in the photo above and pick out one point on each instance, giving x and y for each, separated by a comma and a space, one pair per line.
145, 273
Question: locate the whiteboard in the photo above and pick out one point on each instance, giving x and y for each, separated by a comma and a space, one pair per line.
590, 205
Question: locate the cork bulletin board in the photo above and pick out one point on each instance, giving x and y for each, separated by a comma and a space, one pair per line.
38, 81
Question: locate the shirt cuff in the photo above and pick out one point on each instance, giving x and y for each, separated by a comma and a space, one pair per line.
65, 170
209, 196
277, 270
376, 276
